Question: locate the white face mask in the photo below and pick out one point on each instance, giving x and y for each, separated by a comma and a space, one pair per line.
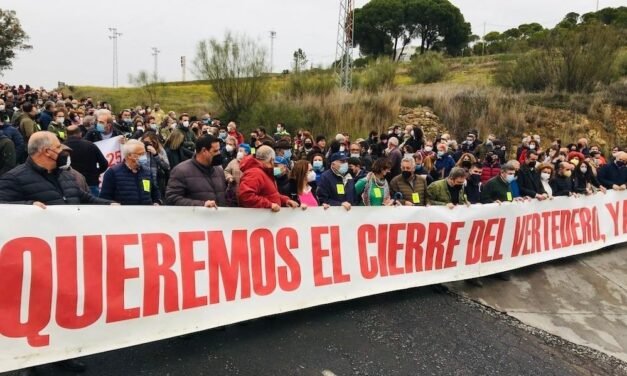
311, 176
428, 148
545, 176
229, 148
2, 107
186, 124
342, 148
60, 120
240, 156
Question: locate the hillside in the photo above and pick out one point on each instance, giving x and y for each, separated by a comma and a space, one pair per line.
467, 97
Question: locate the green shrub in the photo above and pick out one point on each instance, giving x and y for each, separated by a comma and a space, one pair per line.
620, 64
379, 75
300, 84
428, 68
534, 71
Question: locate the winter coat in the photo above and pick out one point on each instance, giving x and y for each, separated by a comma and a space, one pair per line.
562, 186
439, 194
496, 190
444, 165
7, 154
257, 187
122, 185
329, 191
58, 129
176, 156
192, 184
94, 136
610, 175
87, 159
27, 126
489, 171
29, 182
416, 185
44, 119
18, 140
529, 182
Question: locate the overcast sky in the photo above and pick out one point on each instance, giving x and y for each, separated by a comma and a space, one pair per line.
70, 37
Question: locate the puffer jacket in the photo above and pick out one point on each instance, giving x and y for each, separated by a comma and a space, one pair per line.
122, 185
329, 190
257, 187
29, 182
416, 185
192, 184
489, 171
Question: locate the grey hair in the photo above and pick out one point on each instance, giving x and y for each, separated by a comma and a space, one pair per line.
509, 166
103, 111
410, 160
37, 144
457, 172
265, 154
393, 141
129, 146
231, 138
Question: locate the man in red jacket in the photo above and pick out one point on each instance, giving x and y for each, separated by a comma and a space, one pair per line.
257, 187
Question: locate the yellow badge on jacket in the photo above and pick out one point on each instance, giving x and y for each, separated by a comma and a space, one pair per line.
377, 193
415, 198
146, 183
62, 134
340, 189
509, 196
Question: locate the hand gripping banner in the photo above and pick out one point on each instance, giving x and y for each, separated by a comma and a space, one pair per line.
78, 280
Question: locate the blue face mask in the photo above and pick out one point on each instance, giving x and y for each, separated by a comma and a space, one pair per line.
343, 169
440, 154
418, 169
317, 166
510, 178
143, 160
100, 127
277, 172
288, 155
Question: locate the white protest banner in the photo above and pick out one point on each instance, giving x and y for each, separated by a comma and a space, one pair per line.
97, 278
111, 149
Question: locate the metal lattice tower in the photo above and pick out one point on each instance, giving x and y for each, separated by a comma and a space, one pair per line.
155, 54
344, 47
114, 36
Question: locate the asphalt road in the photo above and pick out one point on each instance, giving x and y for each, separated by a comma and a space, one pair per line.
412, 332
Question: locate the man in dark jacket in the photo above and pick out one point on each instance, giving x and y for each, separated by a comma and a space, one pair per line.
197, 181
86, 158
529, 178
40, 182
257, 187
130, 182
14, 135
104, 128
562, 183
46, 115
473, 184
614, 175
7, 154
336, 186
498, 188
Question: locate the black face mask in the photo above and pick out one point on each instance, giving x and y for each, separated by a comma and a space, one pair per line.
308, 145
532, 164
475, 179
62, 160
406, 175
217, 160
466, 164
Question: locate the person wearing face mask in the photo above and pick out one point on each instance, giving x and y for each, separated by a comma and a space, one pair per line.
356, 169
26, 121
281, 172
5, 111
283, 148
444, 162
233, 173
614, 175
280, 132
486, 147
158, 162
228, 151
449, 192
546, 171
529, 178
317, 162
125, 122
231, 129
131, 182
104, 129
373, 138
498, 189
411, 187
466, 161
473, 184
303, 152
57, 125
189, 141
584, 181
394, 154
174, 149
336, 186
198, 181
303, 184
139, 128
258, 188
562, 182
374, 188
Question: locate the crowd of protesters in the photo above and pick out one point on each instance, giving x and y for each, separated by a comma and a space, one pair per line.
48, 157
